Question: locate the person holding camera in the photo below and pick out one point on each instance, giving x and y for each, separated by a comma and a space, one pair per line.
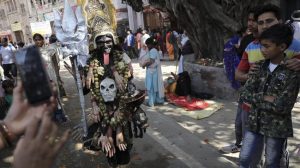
40, 142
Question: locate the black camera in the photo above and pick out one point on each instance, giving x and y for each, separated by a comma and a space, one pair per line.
33, 74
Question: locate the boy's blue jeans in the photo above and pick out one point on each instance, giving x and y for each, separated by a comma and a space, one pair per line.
252, 149
240, 124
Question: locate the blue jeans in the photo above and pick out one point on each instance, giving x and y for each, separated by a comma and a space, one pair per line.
240, 124
252, 150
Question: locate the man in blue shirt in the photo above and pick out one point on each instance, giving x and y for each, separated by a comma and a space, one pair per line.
130, 44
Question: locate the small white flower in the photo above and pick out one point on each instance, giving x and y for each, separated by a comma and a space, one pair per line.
121, 65
100, 70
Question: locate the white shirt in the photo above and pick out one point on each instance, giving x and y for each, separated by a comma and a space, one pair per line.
184, 39
175, 34
296, 25
272, 67
7, 54
144, 38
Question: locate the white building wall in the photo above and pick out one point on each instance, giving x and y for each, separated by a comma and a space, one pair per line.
33, 13
118, 4
16, 17
131, 18
136, 19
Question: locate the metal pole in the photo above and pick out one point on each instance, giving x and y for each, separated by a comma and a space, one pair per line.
81, 97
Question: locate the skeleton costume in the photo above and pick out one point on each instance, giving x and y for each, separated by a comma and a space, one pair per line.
107, 73
109, 101
114, 100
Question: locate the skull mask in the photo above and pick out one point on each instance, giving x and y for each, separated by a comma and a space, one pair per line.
108, 89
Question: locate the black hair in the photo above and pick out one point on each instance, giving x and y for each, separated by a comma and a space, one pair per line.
242, 30
107, 35
151, 41
37, 35
7, 84
139, 30
121, 40
253, 10
5, 39
279, 34
21, 44
268, 8
52, 39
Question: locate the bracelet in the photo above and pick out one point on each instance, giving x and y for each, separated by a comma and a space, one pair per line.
5, 134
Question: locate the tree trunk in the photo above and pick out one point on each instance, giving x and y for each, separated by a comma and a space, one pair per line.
208, 22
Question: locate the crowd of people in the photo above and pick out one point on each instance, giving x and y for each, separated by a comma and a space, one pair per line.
168, 42
265, 62
268, 74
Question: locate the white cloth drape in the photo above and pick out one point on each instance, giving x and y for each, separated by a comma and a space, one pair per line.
161, 89
180, 63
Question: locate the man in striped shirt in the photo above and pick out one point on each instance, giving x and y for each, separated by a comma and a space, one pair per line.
266, 16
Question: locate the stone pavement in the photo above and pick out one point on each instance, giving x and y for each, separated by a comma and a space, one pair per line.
218, 130
172, 141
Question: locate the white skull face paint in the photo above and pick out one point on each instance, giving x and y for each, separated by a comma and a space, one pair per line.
108, 89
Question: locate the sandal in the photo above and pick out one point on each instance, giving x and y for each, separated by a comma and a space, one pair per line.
231, 148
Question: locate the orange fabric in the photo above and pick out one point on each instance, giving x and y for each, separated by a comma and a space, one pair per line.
170, 88
169, 46
173, 87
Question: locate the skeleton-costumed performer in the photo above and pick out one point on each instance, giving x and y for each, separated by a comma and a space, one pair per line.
108, 71
107, 76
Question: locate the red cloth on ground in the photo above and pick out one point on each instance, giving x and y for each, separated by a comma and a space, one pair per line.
195, 104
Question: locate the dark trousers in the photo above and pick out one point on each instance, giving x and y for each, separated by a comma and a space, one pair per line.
10, 70
131, 52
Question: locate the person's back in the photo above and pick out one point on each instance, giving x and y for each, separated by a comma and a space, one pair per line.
138, 40
143, 50
144, 38
7, 54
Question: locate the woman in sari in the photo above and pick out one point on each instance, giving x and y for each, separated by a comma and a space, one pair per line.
169, 46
